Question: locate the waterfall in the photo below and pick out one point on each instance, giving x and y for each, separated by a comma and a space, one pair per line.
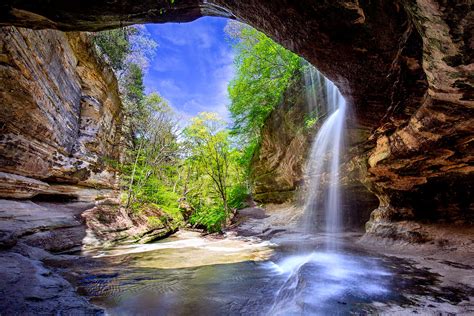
322, 202
313, 84
323, 196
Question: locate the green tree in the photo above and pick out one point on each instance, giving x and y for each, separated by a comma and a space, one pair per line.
214, 184
149, 178
135, 110
210, 149
128, 50
126, 45
264, 70
114, 45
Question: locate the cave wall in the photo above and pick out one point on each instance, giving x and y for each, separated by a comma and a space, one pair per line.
278, 166
405, 67
422, 164
60, 115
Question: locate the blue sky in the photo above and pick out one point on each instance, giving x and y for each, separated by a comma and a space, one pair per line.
192, 66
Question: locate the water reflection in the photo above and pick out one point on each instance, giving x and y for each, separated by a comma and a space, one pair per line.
235, 277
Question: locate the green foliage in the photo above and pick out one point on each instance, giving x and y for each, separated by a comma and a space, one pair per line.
123, 46
134, 89
264, 71
114, 45
201, 163
310, 119
210, 151
212, 219
155, 221
151, 169
238, 194
216, 182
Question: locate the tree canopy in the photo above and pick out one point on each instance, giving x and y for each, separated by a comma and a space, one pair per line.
264, 69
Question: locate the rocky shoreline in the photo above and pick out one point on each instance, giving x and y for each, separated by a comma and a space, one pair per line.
39, 278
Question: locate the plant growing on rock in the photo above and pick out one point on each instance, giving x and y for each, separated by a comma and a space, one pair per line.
264, 70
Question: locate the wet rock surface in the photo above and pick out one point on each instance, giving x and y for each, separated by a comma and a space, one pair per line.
28, 287
34, 235
243, 274
29, 231
26, 219
110, 223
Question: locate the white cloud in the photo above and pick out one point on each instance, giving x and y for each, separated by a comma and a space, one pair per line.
204, 40
218, 100
209, 63
169, 88
172, 37
201, 35
167, 63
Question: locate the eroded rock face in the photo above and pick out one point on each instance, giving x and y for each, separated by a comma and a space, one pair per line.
277, 167
60, 123
60, 113
34, 233
29, 288
405, 67
421, 166
109, 223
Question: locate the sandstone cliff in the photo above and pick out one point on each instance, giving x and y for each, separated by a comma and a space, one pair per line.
279, 165
404, 66
60, 124
60, 127
60, 115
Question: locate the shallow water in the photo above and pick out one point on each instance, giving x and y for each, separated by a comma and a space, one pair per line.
190, 275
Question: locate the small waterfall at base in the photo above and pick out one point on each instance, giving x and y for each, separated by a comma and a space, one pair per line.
323, 193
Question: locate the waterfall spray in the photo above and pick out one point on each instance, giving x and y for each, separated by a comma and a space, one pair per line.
323, 199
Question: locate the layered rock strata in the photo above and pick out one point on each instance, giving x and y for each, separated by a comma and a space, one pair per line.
404, 66
277, 166
60, 114
60, 123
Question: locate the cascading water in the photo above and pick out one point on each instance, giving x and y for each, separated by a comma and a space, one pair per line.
322, 201
313, 85
323, 188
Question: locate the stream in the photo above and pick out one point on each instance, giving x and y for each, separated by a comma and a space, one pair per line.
187, 274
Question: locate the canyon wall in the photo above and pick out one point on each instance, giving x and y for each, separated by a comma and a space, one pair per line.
60, 134
277, 166
405, 67
60, 118
60, 123
60, 115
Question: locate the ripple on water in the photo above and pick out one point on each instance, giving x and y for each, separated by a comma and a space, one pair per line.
235, 277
